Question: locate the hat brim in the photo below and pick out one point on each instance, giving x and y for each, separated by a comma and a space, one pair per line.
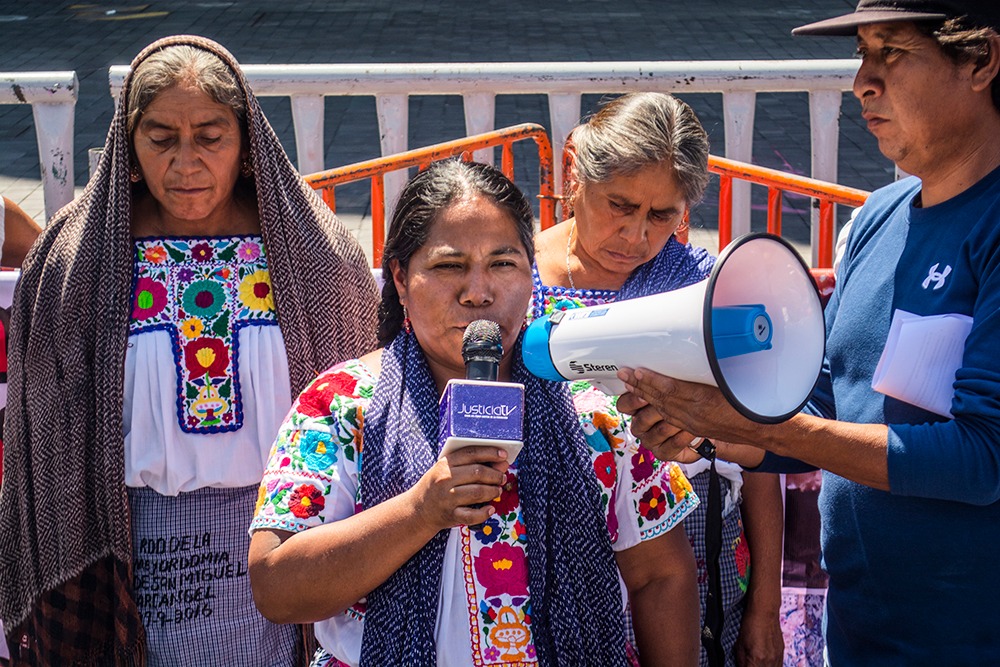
848, 24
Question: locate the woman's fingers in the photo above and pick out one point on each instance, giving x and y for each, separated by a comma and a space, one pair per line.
461, 485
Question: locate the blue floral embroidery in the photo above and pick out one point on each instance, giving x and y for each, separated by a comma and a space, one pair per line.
318, 450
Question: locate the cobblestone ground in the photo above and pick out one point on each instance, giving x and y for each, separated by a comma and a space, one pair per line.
88, 38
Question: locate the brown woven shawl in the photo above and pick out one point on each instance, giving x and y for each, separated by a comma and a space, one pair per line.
65, 548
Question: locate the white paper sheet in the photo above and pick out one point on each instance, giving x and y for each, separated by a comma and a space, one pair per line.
920, 359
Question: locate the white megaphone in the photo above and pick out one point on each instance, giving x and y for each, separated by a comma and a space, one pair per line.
754, 329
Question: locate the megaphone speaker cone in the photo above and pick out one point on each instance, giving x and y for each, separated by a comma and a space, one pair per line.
754, 328
774, 384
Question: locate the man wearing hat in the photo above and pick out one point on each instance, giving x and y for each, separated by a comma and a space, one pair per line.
911, 495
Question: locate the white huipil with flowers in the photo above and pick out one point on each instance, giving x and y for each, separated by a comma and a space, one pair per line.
205, 357
484, 608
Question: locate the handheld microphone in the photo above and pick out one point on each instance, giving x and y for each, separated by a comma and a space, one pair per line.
479, 410
482, 349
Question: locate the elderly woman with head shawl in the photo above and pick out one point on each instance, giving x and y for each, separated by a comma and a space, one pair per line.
640, 164
162, 323
410, 554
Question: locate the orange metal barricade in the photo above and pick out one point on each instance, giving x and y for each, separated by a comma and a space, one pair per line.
326, 181
779, 182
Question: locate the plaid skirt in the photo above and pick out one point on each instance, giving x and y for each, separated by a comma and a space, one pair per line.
734, 564
191, 583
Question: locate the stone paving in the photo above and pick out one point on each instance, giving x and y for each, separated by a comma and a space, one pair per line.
88, 38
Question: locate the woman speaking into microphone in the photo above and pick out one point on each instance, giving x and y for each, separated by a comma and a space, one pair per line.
403, 555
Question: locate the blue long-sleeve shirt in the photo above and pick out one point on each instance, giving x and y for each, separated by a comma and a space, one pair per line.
914, 572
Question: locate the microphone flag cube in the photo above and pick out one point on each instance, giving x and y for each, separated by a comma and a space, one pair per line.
476, 412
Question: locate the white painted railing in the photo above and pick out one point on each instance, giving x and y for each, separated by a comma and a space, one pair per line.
564, 83
52, 96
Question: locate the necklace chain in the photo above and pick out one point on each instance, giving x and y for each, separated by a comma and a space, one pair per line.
569, 242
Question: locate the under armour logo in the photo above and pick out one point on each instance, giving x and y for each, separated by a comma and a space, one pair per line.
936, 277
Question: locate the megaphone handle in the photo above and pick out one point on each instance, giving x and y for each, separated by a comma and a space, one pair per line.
706, 450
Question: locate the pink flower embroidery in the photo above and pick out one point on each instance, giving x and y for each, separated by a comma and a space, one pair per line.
642, 464
150, 298
248, 251
502, 568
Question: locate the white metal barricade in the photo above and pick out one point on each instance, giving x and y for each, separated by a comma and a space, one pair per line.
564, 83
52, 96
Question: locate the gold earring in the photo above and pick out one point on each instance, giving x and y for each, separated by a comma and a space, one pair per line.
246, 168
134, 175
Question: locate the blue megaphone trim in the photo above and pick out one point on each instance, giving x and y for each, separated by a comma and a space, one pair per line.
535, 350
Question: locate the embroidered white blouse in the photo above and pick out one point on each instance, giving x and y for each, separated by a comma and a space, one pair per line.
205, 357
484, 605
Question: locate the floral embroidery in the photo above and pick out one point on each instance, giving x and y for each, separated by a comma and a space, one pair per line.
680, 486
741, 552
204, 298
306, 501
496, 575
604, 466
192, 327
518, 531
202, 252
197, 291
255, 292
488, 531
642, 464
658, 494
150, 299
156, 254
502, 568
653, 505
249, 251
206, 356
319, 452
509, 499
320, 397
494, 553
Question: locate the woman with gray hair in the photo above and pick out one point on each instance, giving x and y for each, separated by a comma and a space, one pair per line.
162, 324
640, 164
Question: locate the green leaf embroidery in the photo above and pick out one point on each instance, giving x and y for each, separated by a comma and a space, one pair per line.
228, 254
175, 254
221, 326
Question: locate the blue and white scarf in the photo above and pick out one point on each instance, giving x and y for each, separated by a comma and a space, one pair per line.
572, 575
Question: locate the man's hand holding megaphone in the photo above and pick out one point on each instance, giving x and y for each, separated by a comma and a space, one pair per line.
667, 412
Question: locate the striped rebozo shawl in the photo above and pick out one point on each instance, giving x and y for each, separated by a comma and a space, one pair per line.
65, 550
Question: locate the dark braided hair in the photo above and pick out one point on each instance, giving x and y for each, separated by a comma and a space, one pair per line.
424, 197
